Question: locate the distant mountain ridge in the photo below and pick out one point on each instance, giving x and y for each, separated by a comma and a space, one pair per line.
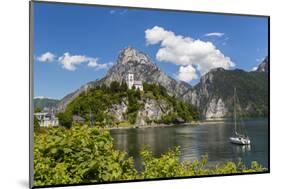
45, 103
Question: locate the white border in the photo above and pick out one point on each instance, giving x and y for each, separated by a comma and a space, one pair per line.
14, 77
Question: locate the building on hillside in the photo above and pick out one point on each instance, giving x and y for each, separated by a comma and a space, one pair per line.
78, 119
47, 119
131, 82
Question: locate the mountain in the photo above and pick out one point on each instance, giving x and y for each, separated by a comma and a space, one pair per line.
138, 63
213, 95
45, 103
263, 67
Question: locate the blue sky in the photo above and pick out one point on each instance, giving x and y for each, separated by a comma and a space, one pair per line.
84, 41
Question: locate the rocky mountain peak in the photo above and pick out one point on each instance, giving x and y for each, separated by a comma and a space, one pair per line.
133, 56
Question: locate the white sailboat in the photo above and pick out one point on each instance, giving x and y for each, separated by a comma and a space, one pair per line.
238, 138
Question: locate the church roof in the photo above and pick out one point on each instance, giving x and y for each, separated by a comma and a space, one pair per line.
137, 83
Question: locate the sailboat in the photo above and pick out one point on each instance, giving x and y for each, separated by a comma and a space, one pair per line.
238, 137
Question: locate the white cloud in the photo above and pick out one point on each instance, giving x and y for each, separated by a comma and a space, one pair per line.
187, 73
97, 66
70, 62
46, 57
254, 68
184, 51
215, 34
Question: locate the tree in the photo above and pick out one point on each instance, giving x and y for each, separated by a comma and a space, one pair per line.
115, 87
37, 110
36, 124
124, 87
65, 119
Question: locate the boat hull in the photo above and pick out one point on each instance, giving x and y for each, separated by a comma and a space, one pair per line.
240, 140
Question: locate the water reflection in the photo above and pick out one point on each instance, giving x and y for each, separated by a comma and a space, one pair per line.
195, 141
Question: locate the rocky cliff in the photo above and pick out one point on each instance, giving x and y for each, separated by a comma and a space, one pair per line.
213, 95
151, 110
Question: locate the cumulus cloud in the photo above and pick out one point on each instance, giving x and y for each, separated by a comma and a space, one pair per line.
46, 57
186, 51
70, 62
97, 66
214, 34
187, 73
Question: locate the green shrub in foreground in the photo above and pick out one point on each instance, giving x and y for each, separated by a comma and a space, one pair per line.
77, 155
83, 155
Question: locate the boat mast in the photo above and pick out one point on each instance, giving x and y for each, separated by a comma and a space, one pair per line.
234, 100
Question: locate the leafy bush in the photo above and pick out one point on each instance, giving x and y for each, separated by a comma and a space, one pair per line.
65, 119
78, 155
169, 165
36, 124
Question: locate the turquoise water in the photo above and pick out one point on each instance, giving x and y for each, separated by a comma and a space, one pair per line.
209, 138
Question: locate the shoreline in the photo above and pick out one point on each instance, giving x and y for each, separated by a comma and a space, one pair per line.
194, 123
166, 125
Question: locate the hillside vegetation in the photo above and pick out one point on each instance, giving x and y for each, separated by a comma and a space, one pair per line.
100, 99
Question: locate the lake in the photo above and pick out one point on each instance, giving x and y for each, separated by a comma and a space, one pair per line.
210, 138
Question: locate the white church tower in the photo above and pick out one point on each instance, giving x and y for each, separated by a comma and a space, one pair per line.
130, 80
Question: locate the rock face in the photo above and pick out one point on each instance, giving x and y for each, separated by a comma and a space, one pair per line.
216, 109
213, 95
118, 111
203, 96
263, 67
138, 63
151, 110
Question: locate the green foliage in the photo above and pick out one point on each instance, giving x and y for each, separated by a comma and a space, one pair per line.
78, 155
65, 119
169, 165
86, 155
134, 105
36, 124
169, 118
37, 110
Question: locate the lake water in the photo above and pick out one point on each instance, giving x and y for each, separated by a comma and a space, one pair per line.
208, 138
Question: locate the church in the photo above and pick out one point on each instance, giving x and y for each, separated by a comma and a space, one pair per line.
132, 82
